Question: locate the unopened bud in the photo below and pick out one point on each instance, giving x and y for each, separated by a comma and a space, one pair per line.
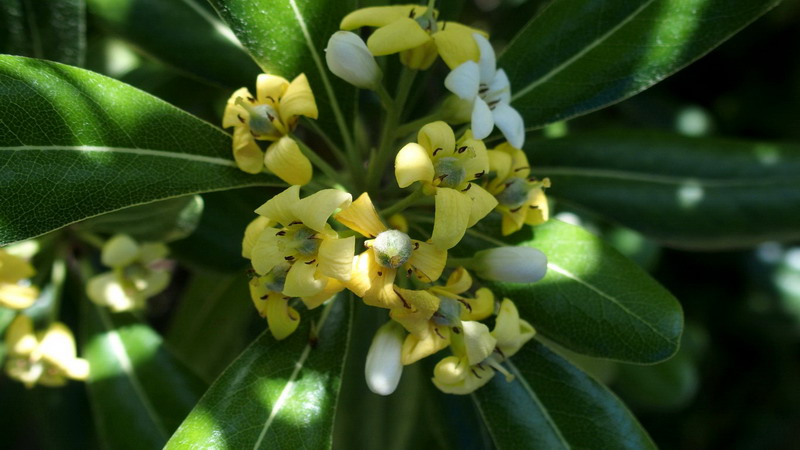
349, 59
510, 264
392, 248
384, 366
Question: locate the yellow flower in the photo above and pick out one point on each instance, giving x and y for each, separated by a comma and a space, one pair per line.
294, 250
13, 270
436, 311
521, 200
270, 116
138, 273
375, 270
415, 33
47, 359
446, 168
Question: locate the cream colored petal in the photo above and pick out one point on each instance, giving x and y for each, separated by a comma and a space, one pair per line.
437, 135
58, 346
78, 369
464, 80
478, 164
302, 280
270, 88
13, 268
473, 377
119, 251
499, 163
519, 162
378, 16
482, 204
14, 296
510, 331
373, 283
282, 319
248, 155
428, 261
298, 101
453, 209
402, 34
284, 159
267, 251
19, 339
459, 281
481, 307
478, 341
419, 58
150, 252
332, 287
413, 163
416, 347
105, 290
419, 300
335, 257
510, 123
541, 213
361, 216
233, 112
155, 282
315, 209
510, 224
487, 61
455, 44
259, 294
280, 207
251, 234
482, 119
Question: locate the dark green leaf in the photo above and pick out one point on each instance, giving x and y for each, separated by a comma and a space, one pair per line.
164, 221
181, 34
54, 30
140, 393
578, 56
75, 144
288, 37
551, 405
692, 193
212, 298
276, 394
595, 301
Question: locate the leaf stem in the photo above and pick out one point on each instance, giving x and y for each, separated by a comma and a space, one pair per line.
315, 159
410, 127
402, 204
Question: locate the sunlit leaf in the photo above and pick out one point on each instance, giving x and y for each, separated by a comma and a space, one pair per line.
75, 144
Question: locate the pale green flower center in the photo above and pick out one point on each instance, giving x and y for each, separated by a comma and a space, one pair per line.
450, 171
515, 194
392, 248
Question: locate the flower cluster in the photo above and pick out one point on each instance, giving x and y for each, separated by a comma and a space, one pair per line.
306, 245
15, 292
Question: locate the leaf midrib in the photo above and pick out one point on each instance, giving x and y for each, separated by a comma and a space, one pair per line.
124, 150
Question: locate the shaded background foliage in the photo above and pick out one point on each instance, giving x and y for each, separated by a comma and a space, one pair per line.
733, 384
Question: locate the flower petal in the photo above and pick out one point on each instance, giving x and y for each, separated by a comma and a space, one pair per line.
500, 164
282, 318
413, 163
437, 135
464, 80
510, 123
500, 87
315, 209
373, 283
402, 34
335, 257
482, 204
541, 212
487, 61
379, 16
233, 111
298, 100
453, 209
510, 331
119, 251
482, 119
428, 261
459, 281
478, 341
266, 252
13, 268
20, 340
478, 164
332, 287
248, 155
482, 306
455, 44
251, 234
361, 216
14, 296
421, 345
58, 346
302, 280
270, 88
279, 207
284, 159
454, 375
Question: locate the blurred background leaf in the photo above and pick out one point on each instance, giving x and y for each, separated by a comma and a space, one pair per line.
53, 30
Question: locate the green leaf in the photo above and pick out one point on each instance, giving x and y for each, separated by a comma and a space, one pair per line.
140, 393
578, 56
551, 405
54, 30
210, 296
182, 34
595, 301
164, 221
276, 393
288, 37
694, 193
75, 144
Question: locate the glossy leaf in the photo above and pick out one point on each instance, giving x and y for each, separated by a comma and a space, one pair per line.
276, 393
694, 193
75, 144
164, 221
595, 301
287, 38
182, 34
140, 393
54, 30
578, 56
553, 405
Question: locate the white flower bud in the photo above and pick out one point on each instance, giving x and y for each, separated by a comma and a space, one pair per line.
384, 366
511, 264
349, 59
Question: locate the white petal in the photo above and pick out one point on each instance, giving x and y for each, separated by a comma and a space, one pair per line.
464, 80
500, 87
482, 119
487, 63
384, 367
510, 123
510, 264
